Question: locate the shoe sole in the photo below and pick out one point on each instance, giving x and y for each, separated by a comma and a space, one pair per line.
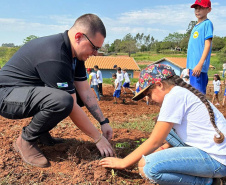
21, 155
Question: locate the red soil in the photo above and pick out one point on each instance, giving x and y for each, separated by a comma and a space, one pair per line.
76, 160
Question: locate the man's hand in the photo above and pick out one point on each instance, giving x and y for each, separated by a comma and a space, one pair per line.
197, 70
105, 147
107, 131
112, 162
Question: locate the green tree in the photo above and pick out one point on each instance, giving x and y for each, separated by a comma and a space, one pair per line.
29, 38
191, 25
175, 38
167, 45
117, 45
8, 45
218, 43
128, 44
222, 55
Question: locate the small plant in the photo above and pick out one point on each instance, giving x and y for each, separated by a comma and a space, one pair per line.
122, 145
112, 177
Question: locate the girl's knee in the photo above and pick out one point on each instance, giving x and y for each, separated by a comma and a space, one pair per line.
141, 165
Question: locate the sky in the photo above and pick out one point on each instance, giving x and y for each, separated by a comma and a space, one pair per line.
22, 18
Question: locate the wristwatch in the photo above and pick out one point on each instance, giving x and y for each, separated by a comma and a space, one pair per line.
105, 121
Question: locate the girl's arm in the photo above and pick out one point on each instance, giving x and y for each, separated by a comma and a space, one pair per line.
163, 147
158, 135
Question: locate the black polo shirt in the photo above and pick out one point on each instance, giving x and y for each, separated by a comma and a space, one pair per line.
46, 61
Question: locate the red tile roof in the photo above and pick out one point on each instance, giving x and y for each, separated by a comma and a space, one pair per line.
180, 62
106, 62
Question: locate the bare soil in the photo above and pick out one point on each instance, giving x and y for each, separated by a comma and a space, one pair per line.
76, 160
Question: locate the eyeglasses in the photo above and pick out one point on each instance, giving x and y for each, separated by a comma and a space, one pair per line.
94, 47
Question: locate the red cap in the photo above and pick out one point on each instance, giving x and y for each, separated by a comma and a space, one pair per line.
89, 69
203, 3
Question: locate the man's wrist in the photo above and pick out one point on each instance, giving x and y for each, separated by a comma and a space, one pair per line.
105, 121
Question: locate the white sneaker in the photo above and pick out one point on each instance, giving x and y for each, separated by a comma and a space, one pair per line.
217, 104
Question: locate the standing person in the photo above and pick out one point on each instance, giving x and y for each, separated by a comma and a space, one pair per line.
93, 82
138, 90
224, 69
216, 88
99, 80
126, 84
184, 73
224, 98
202, 156
40, 81
199, 46
119, 74
117, 88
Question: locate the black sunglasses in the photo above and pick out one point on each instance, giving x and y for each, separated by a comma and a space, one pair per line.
94, 47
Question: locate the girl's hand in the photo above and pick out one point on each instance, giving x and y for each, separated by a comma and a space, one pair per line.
112, 162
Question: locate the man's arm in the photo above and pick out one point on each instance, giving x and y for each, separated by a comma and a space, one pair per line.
87, 96
198, 68
81, 120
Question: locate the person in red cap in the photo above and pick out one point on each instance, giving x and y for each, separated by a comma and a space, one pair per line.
198, 152
199, 46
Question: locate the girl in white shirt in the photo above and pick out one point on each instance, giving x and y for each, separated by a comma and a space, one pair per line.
217, 88
198, 124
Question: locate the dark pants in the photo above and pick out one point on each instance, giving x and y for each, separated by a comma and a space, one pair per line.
46, 105
100, 88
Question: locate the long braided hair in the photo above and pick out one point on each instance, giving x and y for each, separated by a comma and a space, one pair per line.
176, 80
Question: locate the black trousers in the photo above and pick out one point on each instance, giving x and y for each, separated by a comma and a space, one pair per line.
100, 88
47, 106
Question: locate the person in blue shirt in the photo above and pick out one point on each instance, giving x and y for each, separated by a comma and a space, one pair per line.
199, 46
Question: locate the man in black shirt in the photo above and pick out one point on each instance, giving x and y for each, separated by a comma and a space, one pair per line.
40, 81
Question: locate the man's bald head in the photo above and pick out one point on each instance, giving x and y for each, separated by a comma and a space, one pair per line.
89, 24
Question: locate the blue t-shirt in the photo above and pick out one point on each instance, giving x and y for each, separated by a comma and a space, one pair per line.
200, 33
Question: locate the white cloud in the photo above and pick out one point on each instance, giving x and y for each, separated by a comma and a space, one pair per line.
158, 21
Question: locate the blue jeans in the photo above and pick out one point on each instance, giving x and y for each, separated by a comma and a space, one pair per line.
223, 72
182, 165
95, 87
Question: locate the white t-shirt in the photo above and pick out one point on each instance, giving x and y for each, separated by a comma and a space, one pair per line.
99, 77
184, 73
126, 76
224, 66
119, 76
192, 122
137, 84
93, 78
216, 85
119, 84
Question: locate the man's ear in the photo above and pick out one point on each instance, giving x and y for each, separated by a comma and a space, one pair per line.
78, 36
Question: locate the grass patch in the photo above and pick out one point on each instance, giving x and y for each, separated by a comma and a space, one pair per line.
144, 123
152, 56
133, 81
